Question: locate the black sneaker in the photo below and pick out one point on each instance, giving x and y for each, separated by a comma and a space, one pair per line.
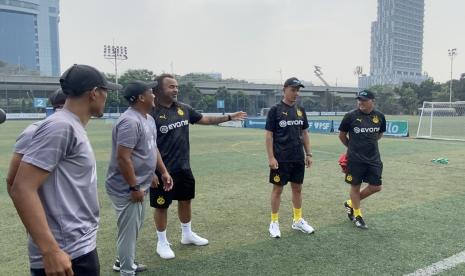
139, 267
350, 211
360, 223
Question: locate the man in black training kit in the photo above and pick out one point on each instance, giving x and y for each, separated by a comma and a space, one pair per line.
360, 131
172, 120
286, 138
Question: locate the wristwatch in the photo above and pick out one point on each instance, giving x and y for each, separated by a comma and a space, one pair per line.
309, 154
133, 188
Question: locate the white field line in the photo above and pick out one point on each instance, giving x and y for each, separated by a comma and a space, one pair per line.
440, 266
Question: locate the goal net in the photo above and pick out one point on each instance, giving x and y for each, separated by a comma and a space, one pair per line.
442, 120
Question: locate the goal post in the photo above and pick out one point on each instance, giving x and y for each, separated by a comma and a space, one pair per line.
442, 120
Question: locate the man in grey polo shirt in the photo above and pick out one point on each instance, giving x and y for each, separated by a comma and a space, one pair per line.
57, 100
55, 188
132, 171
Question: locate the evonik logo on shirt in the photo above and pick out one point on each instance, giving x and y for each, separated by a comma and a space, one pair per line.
366, 129
284, 123
165, 129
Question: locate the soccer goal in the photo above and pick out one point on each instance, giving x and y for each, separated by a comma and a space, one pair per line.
442, 120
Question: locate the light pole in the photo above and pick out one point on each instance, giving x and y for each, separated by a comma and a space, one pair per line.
115, 54
452, 54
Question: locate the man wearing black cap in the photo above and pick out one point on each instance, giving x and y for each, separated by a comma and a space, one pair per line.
360, 131
55, 188
286, 138
173, 119
57, 100
131, 171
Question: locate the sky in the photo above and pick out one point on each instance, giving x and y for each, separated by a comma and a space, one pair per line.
257, 40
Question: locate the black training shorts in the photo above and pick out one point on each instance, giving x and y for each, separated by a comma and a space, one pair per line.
358, 172
288, 172
183, 189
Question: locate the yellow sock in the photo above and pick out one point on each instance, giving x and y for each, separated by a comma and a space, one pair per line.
274, 217
297, 214
357, 212
349, 202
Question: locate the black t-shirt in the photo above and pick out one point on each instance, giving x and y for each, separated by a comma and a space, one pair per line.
173, 134
287, 122
364, 130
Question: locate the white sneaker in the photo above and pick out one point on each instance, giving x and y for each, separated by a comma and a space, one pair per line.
274, 230
193, 238
303, 226
164, 250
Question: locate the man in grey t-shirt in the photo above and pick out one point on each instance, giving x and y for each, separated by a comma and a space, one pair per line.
57, 100
134, 158
55, 188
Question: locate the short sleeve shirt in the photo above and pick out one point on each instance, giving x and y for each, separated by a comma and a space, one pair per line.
24, 139
139, 133
69, 194
173, 134
363, 130
287, 123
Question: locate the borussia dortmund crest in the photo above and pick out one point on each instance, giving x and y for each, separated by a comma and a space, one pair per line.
375, 119
299, 113
277, 179
180, 112
160, 200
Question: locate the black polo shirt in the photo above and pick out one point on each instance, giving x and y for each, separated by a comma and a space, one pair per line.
364, 130
287, 122
173, 134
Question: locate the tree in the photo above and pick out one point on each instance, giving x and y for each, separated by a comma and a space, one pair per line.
242, 101
223, 94
130, 75
207, 103
426, 89
190, 94
442, 95
386, 99
311, 105
135, 74
408, 100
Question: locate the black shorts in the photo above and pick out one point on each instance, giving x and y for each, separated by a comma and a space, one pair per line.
288, 172
85, 265
358, 172
183, 189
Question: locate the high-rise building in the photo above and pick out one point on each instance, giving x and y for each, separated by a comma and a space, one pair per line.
396, 43
29, 35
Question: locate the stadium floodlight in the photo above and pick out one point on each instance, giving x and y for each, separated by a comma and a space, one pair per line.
115, 54
452, 54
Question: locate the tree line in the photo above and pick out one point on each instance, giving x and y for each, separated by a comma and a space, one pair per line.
403, 99
408, 97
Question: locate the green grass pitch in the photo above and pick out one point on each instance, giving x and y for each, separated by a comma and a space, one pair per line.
417, 219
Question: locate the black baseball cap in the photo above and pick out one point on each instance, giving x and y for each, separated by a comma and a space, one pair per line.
81, 78
294, 82
136, 88
57, 98
365, 95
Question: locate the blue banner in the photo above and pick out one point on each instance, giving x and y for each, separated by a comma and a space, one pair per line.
336, 125
397, 128
255, 123
393, 128
220, 104
40, 102
320, 126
